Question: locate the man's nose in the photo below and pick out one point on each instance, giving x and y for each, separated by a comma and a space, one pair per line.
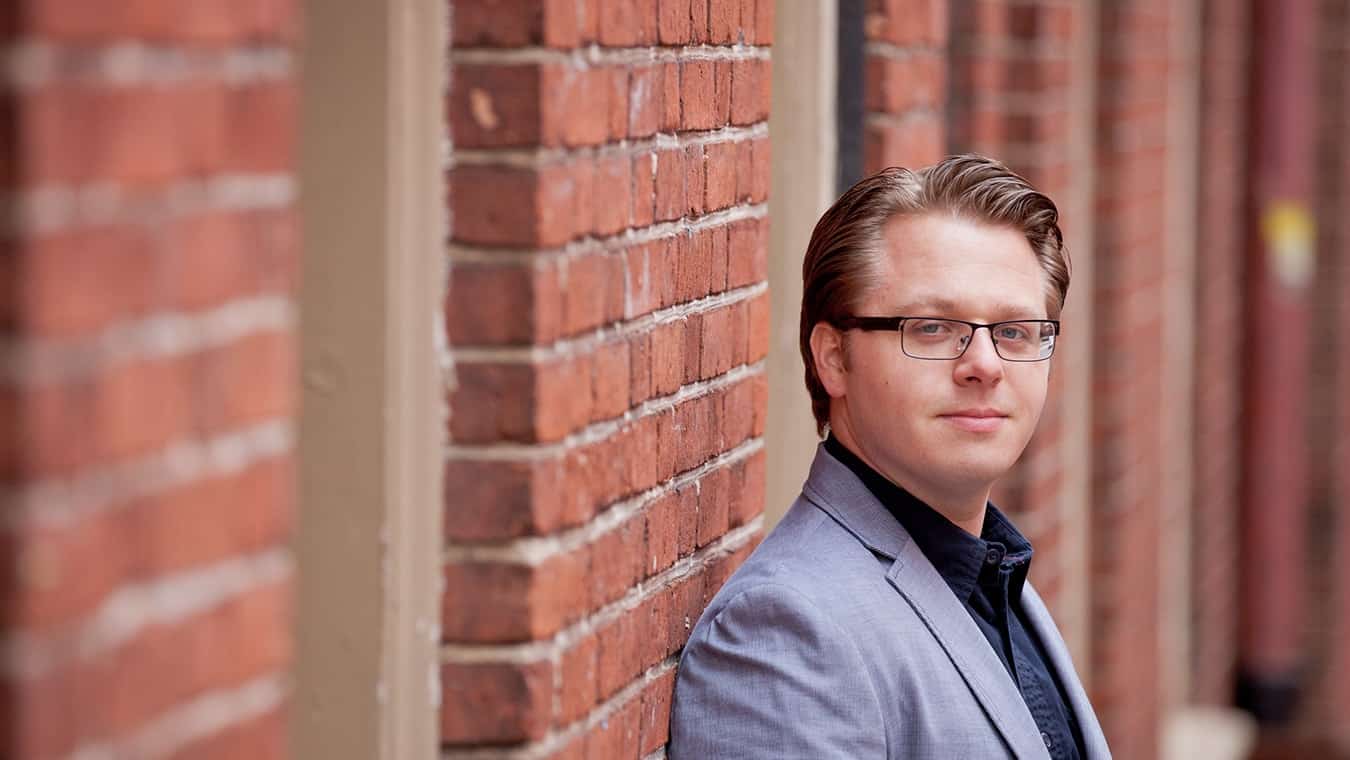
980, 362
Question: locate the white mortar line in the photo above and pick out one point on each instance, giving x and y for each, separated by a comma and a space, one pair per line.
536, 651
131, 609
595, 55
32, 64
586, 342
459, 252
533, 551
547, 156
598, 431
29, 362
200, 718
59, 502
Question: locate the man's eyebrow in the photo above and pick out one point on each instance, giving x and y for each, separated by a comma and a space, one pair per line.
938, 306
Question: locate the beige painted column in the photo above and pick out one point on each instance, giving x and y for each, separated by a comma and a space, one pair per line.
368, 548
802, 128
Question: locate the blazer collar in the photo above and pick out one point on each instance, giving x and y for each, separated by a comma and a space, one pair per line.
1094, 740
834, 488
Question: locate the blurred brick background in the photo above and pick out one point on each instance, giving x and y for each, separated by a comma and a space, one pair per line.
148, 389
607, 184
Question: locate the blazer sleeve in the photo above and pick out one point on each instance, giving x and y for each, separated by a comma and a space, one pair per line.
771, 676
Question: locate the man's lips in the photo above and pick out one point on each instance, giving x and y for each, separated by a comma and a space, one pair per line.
976, 420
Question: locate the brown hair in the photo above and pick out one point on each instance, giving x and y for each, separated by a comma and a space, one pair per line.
845, 249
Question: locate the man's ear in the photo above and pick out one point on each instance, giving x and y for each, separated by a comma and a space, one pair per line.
827, 349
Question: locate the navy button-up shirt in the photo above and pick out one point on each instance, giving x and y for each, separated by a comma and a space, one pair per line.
986, 573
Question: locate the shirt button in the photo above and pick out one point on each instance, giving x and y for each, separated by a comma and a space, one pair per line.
1049, 743
992, 557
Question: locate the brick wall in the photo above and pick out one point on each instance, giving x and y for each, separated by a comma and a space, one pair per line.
905, 81
1011, 98
147, 394
1218, 349
608, 321
1132, 156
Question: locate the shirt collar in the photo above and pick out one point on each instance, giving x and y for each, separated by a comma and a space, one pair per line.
964, 561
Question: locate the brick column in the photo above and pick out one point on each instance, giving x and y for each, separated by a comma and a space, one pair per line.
608, 321
1012, 98
1128, 296
147, 396
1218, 350
906, 83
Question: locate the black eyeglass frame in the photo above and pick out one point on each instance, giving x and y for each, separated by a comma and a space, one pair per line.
893, 324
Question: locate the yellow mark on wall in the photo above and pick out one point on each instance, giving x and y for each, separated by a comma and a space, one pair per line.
1289, 234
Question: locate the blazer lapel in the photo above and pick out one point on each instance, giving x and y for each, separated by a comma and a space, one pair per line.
832, 487
1094, 740
932, 599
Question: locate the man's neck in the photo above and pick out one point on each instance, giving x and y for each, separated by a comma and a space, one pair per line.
965, 509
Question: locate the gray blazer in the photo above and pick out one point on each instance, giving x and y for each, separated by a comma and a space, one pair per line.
838, 639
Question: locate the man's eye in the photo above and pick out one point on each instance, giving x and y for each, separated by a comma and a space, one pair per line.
932, 328
1013, 333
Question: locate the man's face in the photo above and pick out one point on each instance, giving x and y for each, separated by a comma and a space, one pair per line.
945, 428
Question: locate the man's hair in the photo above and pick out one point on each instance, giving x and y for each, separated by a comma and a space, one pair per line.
846, 246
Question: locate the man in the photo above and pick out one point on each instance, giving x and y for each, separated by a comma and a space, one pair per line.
888, 615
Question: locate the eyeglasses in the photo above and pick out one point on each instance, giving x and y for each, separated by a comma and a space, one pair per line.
1021, 340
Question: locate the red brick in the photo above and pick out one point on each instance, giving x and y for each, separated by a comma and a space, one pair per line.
718, 343
653, 628
764, 16
495, 702
668, 357
584, 280
642, 454
559, 408
747, 256
694, 180
670, 96
693, 348
916, 141
750, 85
640, 292
576, 105
619, 23
644, 189
724, 21
501, 499
738, 413
616, 736
619, 556
79, 281
663, 518
484, 23
750, 501
494, 106
670, 184
618, 102
745, 171
686, 605
758, 331
579, 184
216, 257
250, 380
610, 381
654, 729
740, 333
713, 505
646, 105
694, 273
760, 169
580, 679
697, 85
698, 22
720, 186
493, 602
503, 303
620, 648
718, 263
665, 269
476, 194
673, 27
216, 518
143, 405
